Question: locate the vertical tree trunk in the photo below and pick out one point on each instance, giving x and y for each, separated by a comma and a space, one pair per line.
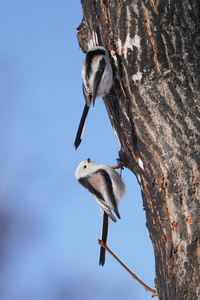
154, 108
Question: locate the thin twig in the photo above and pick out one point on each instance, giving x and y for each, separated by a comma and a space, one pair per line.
120, 165
117, 167
155, 294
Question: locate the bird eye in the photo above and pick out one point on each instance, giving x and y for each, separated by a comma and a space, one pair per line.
84, 167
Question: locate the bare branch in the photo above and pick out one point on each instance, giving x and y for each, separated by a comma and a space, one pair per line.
155, 294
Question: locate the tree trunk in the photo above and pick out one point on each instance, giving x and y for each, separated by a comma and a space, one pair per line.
154, 108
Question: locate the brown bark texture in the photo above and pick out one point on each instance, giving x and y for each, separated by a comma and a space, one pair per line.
154, 109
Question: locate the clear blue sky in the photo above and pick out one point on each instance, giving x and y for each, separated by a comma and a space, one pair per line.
49, 223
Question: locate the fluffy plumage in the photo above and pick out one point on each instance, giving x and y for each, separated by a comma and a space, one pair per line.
107, 187
97, 78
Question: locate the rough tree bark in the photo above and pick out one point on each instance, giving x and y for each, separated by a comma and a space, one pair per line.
154, 108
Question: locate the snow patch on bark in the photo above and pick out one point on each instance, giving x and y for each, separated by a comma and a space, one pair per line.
137, 76
129, 43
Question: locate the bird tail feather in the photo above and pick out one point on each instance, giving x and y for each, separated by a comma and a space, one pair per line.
81, 127
104, 239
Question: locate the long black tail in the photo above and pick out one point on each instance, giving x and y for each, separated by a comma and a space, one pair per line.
81, 127
104, 239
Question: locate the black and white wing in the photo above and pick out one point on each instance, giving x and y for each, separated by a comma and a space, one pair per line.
94, 185
97, 78
107, 191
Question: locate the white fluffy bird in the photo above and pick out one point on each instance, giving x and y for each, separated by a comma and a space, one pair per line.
97, 79
107, 187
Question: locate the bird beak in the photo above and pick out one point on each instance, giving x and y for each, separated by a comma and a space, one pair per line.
88, 160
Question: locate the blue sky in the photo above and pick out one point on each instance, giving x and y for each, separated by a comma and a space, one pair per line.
49, 223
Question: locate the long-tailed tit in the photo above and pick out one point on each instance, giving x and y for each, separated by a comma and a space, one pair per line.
97, 79
107, 187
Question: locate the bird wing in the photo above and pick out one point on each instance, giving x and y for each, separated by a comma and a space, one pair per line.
86, 93
107, 191
93, 185
97, 78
